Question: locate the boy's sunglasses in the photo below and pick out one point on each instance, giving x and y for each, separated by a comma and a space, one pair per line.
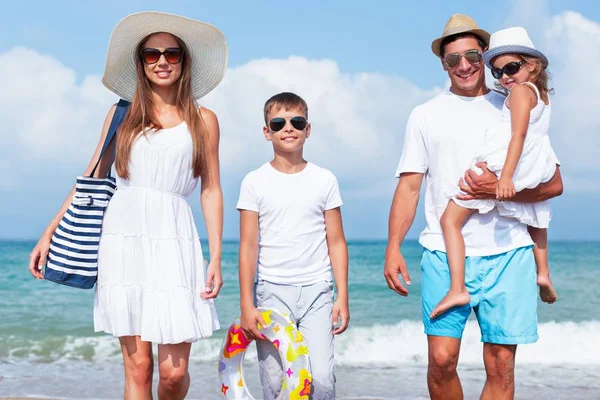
277, 124
509, 69
173, 55
453, 59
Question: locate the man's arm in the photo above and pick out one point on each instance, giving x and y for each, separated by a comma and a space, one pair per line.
402, 215
484, 187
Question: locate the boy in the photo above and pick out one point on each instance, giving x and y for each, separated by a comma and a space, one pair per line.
291, 228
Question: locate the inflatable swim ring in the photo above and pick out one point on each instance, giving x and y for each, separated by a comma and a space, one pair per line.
282, 333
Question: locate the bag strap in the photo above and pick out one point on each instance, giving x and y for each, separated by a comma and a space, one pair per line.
117, 119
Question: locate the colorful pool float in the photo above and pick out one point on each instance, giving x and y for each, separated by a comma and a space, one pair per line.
282, 332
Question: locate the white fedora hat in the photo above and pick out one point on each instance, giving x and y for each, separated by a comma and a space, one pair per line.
206, 45
512, 41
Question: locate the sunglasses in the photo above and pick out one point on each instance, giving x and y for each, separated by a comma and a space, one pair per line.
277, 124
173, 55
453, 59
509, 69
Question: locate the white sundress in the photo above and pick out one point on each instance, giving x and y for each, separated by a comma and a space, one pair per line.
536, 165
150, 264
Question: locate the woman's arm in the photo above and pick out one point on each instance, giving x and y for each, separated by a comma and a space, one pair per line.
37, 258
211, 198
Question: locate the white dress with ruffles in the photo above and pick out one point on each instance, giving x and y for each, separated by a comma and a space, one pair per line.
536, 165
150, 264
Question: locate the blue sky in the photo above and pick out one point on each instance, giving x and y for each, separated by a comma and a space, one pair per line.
362, 66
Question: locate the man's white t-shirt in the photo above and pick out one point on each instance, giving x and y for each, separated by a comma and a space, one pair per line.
442, 138
291, 218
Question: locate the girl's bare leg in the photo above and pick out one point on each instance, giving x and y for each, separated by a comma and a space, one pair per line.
452, 221
540, 252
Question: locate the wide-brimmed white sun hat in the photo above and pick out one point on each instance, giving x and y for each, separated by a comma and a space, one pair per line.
512, 41
206, 48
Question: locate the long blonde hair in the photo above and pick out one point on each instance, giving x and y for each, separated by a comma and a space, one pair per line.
142, 116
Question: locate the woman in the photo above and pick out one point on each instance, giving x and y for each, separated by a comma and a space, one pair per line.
151, 284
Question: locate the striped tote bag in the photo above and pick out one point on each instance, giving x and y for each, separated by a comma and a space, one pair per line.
73, 256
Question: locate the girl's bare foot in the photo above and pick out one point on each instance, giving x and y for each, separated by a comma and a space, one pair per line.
452, 299
547, 292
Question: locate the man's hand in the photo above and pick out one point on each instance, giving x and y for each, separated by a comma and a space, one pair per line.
478, 186
394, 265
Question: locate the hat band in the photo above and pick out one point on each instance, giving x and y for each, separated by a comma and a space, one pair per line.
489, 55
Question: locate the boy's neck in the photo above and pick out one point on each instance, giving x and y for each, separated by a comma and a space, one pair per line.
289, 163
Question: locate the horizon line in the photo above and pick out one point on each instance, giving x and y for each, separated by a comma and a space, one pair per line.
359, 240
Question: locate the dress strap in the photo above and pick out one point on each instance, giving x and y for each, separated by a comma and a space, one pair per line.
535, 89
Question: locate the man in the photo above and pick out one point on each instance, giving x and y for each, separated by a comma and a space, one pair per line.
442, 138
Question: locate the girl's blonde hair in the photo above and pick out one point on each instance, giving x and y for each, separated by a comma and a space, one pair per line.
540, 75
142, 115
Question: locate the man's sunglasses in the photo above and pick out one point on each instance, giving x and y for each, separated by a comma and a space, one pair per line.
509, 69
453, 59
173, 55
277, 124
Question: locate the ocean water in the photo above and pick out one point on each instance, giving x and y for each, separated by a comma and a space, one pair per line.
48, 347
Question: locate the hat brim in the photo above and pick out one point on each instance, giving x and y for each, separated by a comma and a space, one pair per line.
489, 55
437, 43
206, 45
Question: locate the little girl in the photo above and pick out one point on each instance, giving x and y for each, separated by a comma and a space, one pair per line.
518, 150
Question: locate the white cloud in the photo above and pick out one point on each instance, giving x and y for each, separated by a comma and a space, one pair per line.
46, 114
52, 117
357, 120
572, 44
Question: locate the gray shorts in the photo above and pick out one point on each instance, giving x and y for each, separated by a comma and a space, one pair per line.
311, 308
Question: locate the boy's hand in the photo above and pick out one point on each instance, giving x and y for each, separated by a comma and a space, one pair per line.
249, 321
505, 189
340, 312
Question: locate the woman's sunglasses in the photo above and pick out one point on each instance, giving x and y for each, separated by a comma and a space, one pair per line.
173, 55
509, 69
277, 124
453, 59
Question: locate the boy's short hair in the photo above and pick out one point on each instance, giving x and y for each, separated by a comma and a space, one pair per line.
287, 101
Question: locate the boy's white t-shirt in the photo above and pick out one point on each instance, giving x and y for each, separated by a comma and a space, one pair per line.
442, 138
292, 242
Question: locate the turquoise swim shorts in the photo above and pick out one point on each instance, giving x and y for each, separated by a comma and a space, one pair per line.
503, 293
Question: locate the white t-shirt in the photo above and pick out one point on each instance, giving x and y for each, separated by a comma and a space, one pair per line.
292, 244
442, 138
